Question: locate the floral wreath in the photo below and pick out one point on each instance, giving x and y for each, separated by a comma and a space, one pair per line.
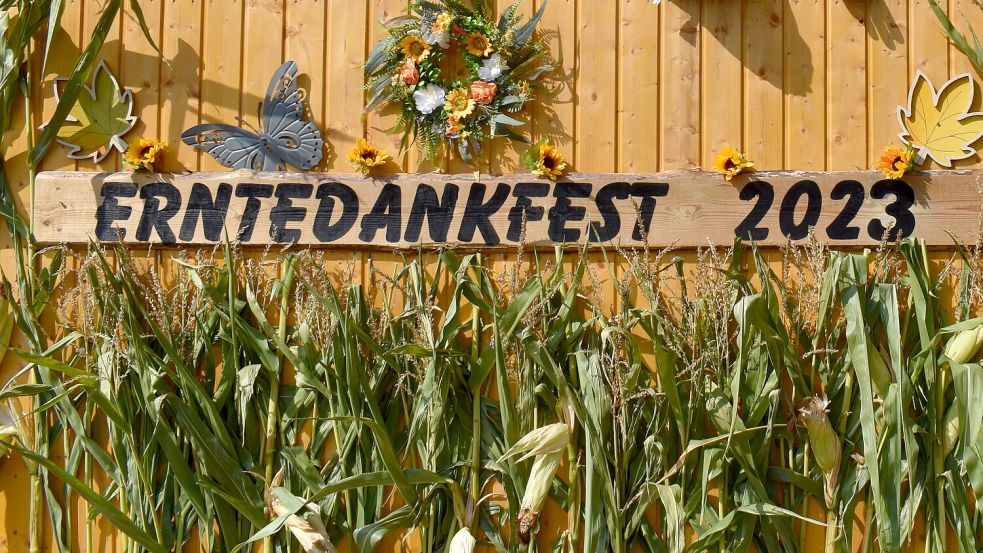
501, 65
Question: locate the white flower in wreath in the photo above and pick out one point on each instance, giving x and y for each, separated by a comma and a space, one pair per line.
429, 98
492, 68
442, 39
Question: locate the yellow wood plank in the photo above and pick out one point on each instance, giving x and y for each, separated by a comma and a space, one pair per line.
804, 26
110, 53
380, 122
180, 81
221, 70
679, 110
346, 35
721, 96
846, 86
928, 47
638, 112
596, 86
763, 83
64, 52
888, 80
140, 69
553, 107
967, 14
304, 44
262, 53
503, 155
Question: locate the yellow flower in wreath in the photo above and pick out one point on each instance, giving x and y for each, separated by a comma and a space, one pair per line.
443, 23
478, 44
415, 48
730, 163
144, 154
895, 162
365, 156
458, 103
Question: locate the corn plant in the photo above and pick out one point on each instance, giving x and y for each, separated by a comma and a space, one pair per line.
253, 399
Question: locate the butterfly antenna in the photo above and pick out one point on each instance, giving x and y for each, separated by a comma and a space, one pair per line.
245, 124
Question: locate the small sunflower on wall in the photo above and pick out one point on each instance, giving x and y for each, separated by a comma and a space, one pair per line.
731, 162
501, 64
144, 154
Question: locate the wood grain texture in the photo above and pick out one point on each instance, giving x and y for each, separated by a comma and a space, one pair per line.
682, 209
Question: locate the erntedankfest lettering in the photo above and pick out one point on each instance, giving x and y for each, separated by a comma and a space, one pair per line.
687, 209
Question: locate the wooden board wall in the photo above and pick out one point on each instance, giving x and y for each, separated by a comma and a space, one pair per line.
799, 84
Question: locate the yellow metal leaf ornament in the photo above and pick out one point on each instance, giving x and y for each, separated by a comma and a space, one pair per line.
99, 119
938, 123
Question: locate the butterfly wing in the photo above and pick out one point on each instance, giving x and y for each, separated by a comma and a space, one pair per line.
233, 147
296, 141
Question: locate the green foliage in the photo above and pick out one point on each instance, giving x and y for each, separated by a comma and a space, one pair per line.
972, 51
683, 395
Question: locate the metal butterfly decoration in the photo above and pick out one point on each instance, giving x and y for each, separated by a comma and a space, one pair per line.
284, 138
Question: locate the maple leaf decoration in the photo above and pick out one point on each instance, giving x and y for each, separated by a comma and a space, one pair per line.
938, 124
99, 119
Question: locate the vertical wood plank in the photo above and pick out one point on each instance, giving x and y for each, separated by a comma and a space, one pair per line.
804, 26
764, 83
680, 128
553, 112
846, 141
346, 34
221, 68
504, 155
180, 81
638, 114
887, 23
262, 47
65, 51
721, 97
966, 14
380, 122
110, 54
140, 68
304, 44
596, 86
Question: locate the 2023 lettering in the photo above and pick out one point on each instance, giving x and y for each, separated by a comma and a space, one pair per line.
841, 228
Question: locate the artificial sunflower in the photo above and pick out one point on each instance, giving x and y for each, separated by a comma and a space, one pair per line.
459, 103
731, 163
144, 154
895, 162
415, 48
478, 44
365, 156
545, 160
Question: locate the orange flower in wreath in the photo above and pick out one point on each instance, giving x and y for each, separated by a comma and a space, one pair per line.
483, 93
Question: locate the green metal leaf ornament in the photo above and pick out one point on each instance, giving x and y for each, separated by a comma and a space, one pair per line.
100, 117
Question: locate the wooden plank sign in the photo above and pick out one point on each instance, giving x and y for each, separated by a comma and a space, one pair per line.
686, 209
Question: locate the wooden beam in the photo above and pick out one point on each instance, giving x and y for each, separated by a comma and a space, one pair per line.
682, 209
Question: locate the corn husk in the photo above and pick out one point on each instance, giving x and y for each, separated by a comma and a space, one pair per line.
880, 374
826, 446
538, 488
307, 528
8, 430
462, 542
551, 438
964, 346
950, 429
